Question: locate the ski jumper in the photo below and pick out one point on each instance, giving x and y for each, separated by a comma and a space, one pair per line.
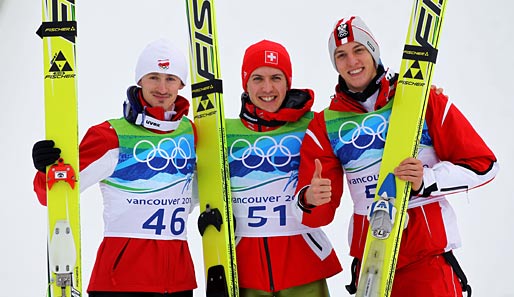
274, 250
349, 136
146, 182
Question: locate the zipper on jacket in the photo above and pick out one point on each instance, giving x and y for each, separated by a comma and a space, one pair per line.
268, 259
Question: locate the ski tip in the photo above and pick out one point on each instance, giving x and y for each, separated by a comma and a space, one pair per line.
388, 186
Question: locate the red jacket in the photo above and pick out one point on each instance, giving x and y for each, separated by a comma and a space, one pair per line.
276, 263
129, 264
457, 160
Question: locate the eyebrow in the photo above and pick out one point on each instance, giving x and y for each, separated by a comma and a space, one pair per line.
261, 75
358, 45
166, 74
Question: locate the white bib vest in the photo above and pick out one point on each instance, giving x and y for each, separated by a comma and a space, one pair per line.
149, 193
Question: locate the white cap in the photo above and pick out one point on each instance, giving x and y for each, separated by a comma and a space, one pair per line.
351, 29
161, 56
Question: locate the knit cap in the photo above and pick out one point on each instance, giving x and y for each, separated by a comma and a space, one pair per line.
266, 53
351, 29
161, 56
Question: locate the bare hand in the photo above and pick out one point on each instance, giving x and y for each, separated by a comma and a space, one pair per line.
320, 190
411, 170
438, 91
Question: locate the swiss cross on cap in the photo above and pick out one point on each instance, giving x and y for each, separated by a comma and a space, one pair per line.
271, 57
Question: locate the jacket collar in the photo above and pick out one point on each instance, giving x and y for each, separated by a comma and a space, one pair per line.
296, 104
385, 84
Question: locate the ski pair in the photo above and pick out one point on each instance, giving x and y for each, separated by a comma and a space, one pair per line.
58, 31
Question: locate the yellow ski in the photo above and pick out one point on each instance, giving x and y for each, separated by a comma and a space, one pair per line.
404, 132
216, 223
59, 31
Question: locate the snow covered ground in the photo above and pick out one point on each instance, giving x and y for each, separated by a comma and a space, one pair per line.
474, 67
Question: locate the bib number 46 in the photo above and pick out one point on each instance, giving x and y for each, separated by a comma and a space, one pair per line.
156, 222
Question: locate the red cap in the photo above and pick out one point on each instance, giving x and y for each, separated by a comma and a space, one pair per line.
266, 53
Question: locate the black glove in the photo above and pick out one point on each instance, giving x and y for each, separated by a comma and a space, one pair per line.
44, 153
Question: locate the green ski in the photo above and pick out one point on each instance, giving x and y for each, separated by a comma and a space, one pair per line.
216, 221
59, 31
405, 127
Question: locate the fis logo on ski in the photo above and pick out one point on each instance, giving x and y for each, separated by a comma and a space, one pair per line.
59, 67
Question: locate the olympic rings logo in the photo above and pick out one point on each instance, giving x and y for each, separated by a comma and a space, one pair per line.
364, 129
273, 151
179, 151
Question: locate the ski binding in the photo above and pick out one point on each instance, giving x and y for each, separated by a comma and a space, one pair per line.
61, 172
382, 212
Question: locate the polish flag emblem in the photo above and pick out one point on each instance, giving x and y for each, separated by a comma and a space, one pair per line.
163, 64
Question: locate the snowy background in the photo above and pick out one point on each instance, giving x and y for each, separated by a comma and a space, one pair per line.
474, 67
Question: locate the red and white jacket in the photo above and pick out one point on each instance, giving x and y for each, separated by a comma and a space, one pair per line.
129, 264
457, 160
278, 262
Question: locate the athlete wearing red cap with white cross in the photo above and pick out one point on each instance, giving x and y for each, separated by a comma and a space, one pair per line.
347, 139
276, 255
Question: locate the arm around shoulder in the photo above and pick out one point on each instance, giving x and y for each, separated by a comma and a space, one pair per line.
465, 160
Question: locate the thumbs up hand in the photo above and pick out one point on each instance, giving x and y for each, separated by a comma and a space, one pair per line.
320, 190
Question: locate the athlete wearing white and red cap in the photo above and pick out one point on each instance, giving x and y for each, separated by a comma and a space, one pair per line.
347, 139
140, 256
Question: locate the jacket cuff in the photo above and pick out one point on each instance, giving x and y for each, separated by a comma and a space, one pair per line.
302, 204
429, 183
415, 193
